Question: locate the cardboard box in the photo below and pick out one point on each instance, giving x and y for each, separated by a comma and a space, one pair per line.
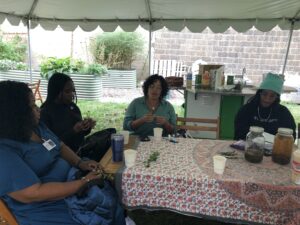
216, 73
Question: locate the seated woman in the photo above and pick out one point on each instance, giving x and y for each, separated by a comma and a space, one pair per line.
34, 162
264, 110
61, 115
151, 110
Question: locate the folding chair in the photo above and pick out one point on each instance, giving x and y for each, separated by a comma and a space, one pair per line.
198, 124
6, 217
35, 87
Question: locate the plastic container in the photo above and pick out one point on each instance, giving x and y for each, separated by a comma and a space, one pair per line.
189, 80
296, 167
117, 144
283, 146
254, 147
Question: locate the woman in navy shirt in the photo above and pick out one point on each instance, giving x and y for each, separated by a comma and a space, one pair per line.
33, 162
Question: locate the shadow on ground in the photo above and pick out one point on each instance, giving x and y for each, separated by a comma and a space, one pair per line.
143, 217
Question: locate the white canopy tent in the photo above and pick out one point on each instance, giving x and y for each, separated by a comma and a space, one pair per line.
152, 15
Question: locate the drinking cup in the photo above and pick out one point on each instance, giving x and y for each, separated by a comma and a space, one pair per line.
125, 133
117, 144
219, 164
130, 156
157, 133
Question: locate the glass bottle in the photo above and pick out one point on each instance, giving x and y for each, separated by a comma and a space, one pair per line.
254, 147
283, 146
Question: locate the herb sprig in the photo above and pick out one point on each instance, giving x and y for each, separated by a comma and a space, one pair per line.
152, 158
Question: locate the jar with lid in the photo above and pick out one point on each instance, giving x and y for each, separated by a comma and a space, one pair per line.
283, 146
254, 147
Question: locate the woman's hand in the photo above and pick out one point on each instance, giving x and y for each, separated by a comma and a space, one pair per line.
147, 118
90, 165
84, 125
161, 120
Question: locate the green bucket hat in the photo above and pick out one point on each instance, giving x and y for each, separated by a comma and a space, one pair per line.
272, 82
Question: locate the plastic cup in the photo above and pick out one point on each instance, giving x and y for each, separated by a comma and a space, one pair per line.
219, 164
157, 133
130, 156
117, 144
125, 133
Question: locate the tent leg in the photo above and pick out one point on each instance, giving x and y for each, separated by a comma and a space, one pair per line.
29, 49
149, 48
288, 46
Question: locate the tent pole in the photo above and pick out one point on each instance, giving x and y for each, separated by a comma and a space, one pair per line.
29, 49
288, 47
150, 40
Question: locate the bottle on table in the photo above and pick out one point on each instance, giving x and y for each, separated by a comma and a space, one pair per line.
254, 147
283, 146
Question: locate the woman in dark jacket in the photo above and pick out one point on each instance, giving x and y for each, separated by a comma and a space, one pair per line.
61, 114
264, 110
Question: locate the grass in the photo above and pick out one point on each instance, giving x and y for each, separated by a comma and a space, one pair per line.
112, 114
109, 114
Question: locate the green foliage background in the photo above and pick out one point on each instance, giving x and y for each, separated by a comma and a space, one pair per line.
14, 50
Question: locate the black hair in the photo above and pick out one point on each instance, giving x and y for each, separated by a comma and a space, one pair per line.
56, 85
255, 100
152, 79
16, 113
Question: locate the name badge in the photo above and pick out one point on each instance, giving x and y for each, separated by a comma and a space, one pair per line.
49, 144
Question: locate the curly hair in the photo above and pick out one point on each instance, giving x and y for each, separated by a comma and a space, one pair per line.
17, 117
56, 85
255, 100
151, 80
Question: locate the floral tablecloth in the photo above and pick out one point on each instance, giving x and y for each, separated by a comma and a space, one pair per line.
182, 179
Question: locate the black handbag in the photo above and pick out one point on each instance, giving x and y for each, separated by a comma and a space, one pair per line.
96, 145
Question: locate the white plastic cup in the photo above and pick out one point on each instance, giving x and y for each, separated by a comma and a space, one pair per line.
125, 133
157, 133
296, 167
219, 164
130, 156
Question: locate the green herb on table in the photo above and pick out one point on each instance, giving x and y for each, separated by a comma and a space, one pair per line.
229, 155
152, 158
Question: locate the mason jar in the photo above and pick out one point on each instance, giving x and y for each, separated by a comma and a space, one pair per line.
283, 146
254, 147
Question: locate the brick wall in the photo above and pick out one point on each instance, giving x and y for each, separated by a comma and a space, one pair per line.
259, 52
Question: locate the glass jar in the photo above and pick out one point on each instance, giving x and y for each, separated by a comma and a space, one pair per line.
283, 146
254, 147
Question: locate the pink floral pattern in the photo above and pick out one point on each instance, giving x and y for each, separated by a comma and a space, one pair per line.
182, 179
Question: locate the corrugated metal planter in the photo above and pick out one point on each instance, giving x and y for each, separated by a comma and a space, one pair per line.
120, 79
87, 86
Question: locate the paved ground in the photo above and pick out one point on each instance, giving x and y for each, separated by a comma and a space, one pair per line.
127, 95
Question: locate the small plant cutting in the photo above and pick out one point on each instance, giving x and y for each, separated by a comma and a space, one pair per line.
152, 158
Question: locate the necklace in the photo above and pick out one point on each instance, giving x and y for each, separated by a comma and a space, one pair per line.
263, 119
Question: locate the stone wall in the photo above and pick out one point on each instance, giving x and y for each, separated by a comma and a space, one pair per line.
259, 52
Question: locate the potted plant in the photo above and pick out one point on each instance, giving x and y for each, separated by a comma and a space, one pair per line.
117, 51
86, 77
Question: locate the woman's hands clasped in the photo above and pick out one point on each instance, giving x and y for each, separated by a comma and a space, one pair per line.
84, 125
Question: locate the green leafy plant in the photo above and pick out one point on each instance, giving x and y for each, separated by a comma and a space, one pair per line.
6, 65
117, 50
52, 65
152, 158
96, 69
14, 50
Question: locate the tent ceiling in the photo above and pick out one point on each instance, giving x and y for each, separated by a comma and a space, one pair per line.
174, 14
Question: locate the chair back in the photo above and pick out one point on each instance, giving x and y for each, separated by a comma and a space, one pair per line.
35, 87
6, 217
199, 124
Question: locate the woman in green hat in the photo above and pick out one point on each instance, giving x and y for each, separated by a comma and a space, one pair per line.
264, 110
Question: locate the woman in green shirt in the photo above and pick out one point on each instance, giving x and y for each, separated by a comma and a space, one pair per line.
151, 110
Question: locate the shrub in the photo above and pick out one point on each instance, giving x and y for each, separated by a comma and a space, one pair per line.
52, 65
14, 50
67, 65
96, 69
6, 65
117, 50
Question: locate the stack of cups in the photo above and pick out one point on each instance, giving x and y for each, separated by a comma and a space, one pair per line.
296, 167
